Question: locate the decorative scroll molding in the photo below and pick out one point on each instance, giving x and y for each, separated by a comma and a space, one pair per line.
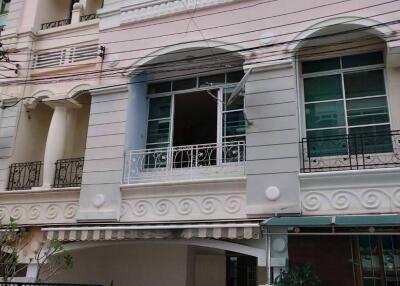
365, 192
199, 201
155, 9
39, 207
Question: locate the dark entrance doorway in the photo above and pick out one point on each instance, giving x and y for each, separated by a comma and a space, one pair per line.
241, 270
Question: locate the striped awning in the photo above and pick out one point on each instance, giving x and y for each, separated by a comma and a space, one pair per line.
166, 231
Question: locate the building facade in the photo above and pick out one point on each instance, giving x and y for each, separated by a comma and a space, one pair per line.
123, 135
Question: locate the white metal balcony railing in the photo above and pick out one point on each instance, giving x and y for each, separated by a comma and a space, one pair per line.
185, 162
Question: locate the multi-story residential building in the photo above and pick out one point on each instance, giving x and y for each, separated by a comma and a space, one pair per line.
120, 137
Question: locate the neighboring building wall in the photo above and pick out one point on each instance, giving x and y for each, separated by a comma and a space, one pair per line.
14, 15
8, 125
330, 256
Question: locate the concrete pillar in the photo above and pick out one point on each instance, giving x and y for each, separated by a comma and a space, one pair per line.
56, 139
31, 272
77, 9
55, 143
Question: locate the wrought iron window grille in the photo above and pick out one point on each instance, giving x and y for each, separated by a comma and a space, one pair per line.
54, 24
68, 173
24, 176
351, 152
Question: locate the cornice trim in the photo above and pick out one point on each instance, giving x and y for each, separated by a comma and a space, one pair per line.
109, 89
160, 8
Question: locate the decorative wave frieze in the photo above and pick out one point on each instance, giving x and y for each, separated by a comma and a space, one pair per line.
40, 209
148, 10
353, 200
193, 208
184, 202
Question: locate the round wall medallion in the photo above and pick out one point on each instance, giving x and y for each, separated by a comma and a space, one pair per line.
98, 200
112, 60
267, 38
272, 193
279, 244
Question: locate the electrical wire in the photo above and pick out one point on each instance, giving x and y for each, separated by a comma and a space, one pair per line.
216, 70
174, 62
256, 30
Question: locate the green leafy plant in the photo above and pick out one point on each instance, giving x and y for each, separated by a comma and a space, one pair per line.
11, 241
50, 256
300, 275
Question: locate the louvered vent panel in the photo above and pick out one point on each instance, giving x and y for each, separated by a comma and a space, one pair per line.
49, 59
83, 53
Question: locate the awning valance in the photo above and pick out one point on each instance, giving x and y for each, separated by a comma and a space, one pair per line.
339, 221
166, 231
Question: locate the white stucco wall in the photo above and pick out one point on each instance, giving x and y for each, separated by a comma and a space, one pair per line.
139, 265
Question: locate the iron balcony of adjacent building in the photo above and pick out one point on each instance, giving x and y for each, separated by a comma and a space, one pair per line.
54, 24
27, 175
88, 17
351, 152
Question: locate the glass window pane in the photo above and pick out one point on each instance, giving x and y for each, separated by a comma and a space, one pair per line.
160, 107
158, 131
325, 114
235, 76
366, 83
327, 142
212, 79
159, 87
237, 104
322, 88
321, 65
362, 60
234, 123
182, 84
371, 139
367, 111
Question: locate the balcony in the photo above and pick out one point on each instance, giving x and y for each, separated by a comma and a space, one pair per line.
182, 163
351, 152
24, 176
54, 24
68, 173
88, 17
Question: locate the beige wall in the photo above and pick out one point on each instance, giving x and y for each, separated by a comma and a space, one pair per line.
31, 134
78, 120
127, 265
52, 10
210, 270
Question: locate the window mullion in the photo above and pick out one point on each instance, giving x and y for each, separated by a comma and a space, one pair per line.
171, 120
345, 113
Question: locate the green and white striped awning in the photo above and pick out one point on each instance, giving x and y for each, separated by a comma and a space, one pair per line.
166, 231
339, 221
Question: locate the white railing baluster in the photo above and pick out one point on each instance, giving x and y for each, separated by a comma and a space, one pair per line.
182, 162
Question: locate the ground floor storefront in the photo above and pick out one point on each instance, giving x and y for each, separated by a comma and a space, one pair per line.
146, 263
213, 254
349, 260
